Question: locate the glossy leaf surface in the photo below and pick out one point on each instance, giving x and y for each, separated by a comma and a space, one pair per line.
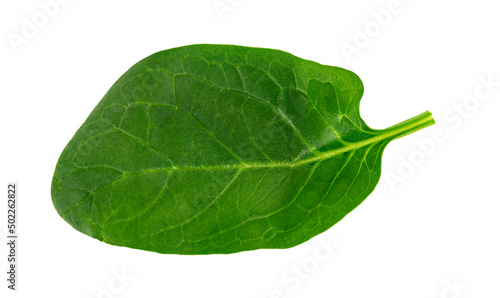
218, 149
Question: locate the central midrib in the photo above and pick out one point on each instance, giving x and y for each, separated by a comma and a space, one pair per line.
406, 127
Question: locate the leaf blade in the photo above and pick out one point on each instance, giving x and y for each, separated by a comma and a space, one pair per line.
219, 149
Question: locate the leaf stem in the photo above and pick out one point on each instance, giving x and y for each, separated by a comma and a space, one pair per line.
411, 125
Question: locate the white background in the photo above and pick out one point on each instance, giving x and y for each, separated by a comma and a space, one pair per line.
431, 228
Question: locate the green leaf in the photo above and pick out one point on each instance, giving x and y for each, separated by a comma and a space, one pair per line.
218, 149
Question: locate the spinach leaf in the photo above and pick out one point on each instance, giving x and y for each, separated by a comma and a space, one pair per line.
218, 149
